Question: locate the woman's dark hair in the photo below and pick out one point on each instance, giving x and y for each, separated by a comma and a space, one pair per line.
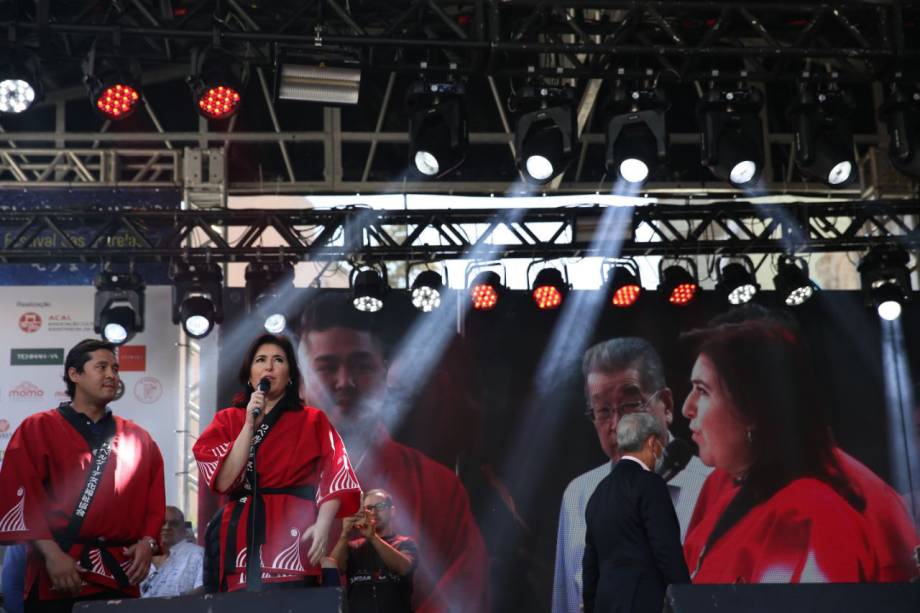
79, 355
767, 372
291, 396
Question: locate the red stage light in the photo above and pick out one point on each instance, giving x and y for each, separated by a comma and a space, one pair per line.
219, 102
626, 296
547, 297
683, 294
117, 101
485, 297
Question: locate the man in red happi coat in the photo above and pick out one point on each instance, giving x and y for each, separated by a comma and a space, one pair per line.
346, 376
85, 489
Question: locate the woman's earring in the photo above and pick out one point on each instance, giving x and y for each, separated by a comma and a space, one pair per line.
249, 387
750, 436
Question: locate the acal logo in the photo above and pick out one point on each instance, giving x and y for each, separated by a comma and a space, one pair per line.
64, 322
26, 391
120, 391
148, 390
30, 322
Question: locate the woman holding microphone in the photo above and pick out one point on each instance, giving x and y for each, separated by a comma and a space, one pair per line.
285, 473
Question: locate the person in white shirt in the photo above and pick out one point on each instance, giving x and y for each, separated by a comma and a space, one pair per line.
622, 376
177, 571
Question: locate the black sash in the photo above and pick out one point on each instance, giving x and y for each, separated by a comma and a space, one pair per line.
101, 449
255, 531
305, 492
739, 506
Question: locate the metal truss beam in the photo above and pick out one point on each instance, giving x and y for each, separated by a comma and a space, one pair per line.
56, 167
359, 233
768, 40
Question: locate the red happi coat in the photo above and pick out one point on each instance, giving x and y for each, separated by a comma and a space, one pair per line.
890, 528
805, 533
301, 449
43, 476
432, 507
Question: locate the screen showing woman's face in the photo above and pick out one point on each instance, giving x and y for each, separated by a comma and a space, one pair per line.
717, 429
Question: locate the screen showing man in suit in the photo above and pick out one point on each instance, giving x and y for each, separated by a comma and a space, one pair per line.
632, 542
800, 425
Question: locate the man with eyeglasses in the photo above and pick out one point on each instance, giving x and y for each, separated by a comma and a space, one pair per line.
380, 563
622, 376
178, 570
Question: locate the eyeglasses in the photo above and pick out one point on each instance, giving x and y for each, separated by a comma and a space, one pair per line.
605, 413
174, 523
376, 508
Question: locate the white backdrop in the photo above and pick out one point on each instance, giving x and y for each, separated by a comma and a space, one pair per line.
38, 324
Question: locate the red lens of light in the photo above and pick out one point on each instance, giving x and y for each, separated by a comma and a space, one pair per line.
117, 101
547, 297
683, 294
219, 102
484, 297
626, 296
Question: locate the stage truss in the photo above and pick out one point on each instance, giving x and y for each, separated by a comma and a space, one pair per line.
496, 44
364, 234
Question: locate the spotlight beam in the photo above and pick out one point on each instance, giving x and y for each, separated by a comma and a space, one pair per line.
903, 454
525, 463
421, 349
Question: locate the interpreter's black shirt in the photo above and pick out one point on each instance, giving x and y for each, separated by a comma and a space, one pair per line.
374, 588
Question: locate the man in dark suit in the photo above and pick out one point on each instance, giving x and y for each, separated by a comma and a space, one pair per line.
632, 544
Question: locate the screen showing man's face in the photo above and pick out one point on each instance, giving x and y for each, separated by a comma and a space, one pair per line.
346, 374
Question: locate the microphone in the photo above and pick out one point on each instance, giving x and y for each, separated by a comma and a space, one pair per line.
676, 456
264, 386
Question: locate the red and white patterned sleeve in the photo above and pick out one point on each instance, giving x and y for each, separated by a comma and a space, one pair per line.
337, 478
212, 448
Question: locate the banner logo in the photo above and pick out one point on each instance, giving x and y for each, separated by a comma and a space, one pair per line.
132, 358
26, 391
148, 390
4, 426
30, 322
62, 322
36, 357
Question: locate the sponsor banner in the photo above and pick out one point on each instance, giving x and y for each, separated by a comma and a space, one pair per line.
59, 318
80, 233
36, 357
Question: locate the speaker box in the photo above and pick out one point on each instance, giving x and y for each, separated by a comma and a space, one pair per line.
312, 600
805, 597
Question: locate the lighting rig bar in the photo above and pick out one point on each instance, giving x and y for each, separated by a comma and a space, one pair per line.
510, 36
344, 234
